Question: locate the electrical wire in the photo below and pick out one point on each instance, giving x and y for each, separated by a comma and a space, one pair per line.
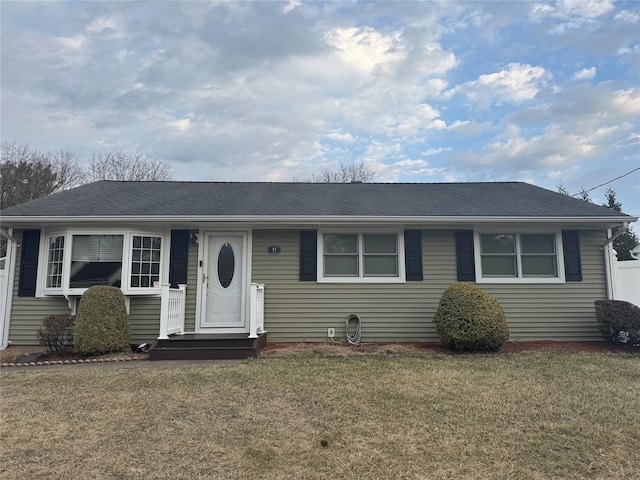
606, 183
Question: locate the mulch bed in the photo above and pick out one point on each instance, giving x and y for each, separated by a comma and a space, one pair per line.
427, 348
43, 359
341, 349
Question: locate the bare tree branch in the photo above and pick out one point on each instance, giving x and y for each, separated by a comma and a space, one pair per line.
27, 173
356, 172
126, 167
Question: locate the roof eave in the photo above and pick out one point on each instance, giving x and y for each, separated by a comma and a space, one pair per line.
607, 221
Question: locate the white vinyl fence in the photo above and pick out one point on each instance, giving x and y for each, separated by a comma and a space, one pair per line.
628, 281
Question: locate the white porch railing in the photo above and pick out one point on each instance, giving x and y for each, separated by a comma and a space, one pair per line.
172, 307
256, 310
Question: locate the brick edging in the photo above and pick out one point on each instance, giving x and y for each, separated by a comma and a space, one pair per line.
71, 362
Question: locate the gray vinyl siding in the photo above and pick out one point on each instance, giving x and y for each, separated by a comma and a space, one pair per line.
302, 311
192, 289
144, 317
560, 312
144, 313
27, 312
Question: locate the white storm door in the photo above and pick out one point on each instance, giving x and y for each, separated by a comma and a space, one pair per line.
224, 282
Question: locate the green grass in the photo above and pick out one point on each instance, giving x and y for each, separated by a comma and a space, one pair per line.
518, 416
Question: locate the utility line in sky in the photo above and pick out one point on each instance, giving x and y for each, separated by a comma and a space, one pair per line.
606, 183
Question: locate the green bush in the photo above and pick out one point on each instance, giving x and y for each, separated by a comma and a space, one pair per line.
619, 322
469, 319
102, 323
56, 333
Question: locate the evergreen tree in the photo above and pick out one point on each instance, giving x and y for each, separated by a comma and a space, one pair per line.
628, 240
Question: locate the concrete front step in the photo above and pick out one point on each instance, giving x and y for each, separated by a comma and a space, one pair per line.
207, 347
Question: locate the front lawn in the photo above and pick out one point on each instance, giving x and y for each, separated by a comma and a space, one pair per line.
537, 415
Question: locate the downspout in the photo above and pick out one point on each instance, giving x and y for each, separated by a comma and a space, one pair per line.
8, 235
10, 266
611, 275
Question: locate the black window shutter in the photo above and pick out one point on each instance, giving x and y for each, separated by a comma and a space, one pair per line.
29, 263
179, 257
413, 255
572, 262
308, 255
464, 255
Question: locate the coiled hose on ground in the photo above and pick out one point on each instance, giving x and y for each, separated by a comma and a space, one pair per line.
353, 329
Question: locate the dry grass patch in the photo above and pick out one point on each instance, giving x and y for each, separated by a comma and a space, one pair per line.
313, 416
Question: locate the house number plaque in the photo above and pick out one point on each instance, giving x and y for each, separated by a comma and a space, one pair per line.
273, 250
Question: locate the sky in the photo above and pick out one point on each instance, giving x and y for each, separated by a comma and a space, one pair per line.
542, 92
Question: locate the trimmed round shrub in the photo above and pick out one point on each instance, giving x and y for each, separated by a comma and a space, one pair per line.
619, 322
102, 323
469, 319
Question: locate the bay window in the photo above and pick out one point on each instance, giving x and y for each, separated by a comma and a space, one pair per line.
75, 261
96, 260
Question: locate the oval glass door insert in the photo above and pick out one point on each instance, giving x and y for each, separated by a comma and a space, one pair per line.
226, 265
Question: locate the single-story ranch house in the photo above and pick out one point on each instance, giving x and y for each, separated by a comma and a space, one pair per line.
204, 261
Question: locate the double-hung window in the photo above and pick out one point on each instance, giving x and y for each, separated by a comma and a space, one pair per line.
365, 257
75, 261
526, 257
55, 261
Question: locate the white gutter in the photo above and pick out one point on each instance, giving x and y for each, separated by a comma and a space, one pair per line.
610, 257
309, 219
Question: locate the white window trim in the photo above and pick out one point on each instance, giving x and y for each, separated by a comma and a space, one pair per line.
43, 263
401, 278
127, 254
127, 245
519, 279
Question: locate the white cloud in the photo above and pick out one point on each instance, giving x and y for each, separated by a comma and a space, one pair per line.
378, 151
181, 125
365, 48
435, 151
576, 9
585, 8
585, 74
557, 147
291, 5
540, 10
407, 168
102, 23
340, 137
584, 105
626, 102
626, 16
419, 118
77, 42
517, 83
468, 128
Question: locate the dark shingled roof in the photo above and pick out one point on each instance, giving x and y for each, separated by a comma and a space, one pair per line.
213, 199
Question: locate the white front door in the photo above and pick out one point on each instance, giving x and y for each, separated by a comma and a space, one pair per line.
224, 273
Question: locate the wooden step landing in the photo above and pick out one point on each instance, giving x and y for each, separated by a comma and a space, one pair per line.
200, 346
